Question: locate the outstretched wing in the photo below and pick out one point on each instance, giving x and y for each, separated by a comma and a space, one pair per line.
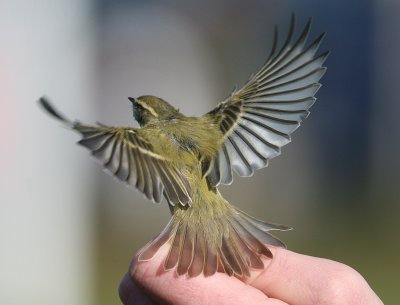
258, 119
124, 152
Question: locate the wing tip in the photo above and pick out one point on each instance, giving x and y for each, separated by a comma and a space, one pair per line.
46, 105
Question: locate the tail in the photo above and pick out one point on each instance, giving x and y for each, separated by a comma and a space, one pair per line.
231, 242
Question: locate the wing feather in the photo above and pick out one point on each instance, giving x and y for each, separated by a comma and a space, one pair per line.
130, 157
258, 119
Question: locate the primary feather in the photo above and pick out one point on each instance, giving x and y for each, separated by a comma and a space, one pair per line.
258, 119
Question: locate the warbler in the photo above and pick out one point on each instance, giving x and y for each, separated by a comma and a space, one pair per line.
184, 159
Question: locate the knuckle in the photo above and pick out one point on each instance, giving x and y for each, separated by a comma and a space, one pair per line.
344, 285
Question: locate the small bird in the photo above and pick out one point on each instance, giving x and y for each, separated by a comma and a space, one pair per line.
184, 159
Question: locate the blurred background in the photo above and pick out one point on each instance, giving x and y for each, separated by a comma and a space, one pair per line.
68, 231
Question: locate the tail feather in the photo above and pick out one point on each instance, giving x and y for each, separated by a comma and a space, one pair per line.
261, 237
186, 254
262, 225
154, 245
198, 260
240, 257
223, 262
176, 247
211, 261
233, 244
252, 242
232, 259
250, 257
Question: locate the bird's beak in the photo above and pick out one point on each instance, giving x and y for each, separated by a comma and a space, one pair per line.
133, 101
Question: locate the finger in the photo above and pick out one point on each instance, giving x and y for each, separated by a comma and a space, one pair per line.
131, 294
302, 280
168, 287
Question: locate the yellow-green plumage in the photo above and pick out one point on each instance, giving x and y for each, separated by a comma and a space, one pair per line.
203, 235
185, 159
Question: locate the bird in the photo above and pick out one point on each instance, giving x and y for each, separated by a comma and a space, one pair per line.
185, 159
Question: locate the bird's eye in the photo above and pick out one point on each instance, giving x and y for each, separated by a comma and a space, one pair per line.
139, 108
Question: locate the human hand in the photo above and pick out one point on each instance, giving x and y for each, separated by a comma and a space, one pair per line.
289, 278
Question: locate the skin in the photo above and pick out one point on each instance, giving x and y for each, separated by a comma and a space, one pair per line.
289, 278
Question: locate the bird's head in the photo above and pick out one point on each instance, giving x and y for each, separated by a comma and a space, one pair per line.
150, 109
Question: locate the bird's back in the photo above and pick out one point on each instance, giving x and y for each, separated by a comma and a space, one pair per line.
184, 139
